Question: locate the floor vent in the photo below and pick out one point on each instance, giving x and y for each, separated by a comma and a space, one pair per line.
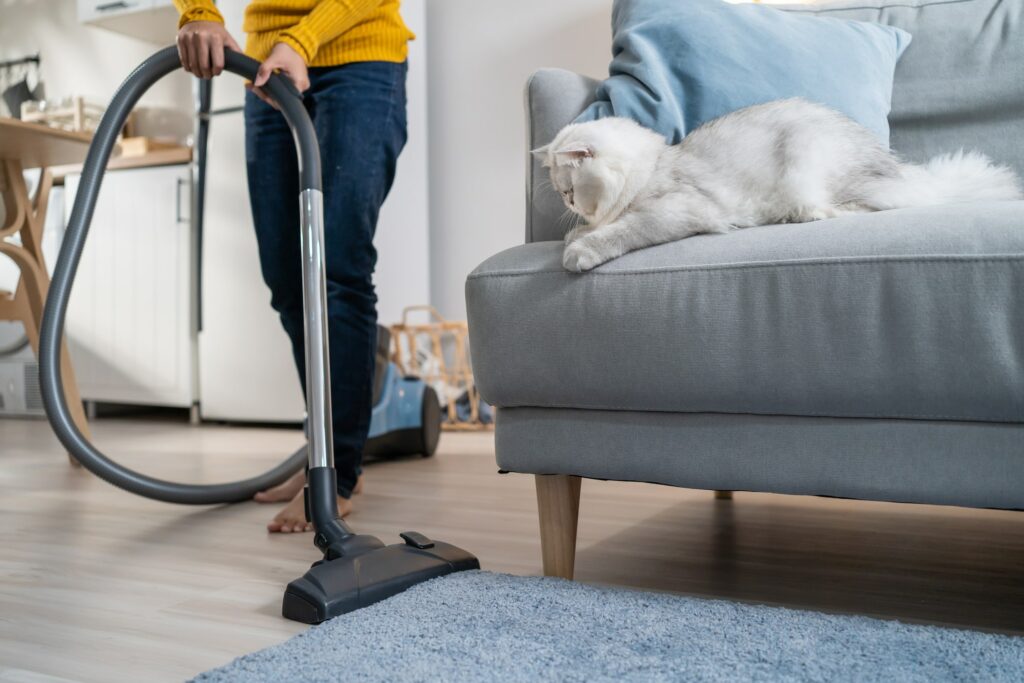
33, 394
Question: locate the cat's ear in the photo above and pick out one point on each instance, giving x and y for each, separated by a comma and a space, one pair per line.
542, 154
573, 154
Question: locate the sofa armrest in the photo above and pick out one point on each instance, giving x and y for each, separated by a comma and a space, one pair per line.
554, 97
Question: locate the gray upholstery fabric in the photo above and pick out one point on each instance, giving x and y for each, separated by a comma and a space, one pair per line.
961, 81
960, 84
974, 464
900, 314
554, 97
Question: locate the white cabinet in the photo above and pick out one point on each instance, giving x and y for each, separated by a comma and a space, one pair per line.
130, 318
246, 371
152, 20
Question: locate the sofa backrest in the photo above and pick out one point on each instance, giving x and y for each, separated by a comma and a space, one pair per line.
961, 81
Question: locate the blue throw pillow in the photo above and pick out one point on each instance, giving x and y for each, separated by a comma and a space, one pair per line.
678, 63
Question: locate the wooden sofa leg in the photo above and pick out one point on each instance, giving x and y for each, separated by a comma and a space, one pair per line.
558, 502
723, 495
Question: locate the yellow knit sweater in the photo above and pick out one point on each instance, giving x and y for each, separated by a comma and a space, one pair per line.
324, 32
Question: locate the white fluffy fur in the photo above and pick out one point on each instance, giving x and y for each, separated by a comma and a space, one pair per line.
788, 161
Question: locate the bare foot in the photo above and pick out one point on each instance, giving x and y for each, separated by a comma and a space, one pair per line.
292, 519
285, 491
291, 488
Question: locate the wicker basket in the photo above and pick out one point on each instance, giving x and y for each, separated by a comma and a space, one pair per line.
437, 351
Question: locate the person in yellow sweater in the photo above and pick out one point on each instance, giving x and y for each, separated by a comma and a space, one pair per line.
348, 58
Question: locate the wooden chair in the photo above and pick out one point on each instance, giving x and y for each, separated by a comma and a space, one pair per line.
25, 217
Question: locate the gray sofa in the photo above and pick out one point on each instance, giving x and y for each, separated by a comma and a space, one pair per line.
875, 357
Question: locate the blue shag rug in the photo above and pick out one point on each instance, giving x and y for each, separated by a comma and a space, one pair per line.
479, 626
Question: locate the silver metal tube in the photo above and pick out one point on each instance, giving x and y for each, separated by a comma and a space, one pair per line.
314, 300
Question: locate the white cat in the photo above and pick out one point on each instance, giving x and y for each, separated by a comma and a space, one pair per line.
788, 161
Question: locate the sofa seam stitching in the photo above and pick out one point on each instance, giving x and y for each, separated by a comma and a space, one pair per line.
1012, 259
828, 10
529, 160
865, 416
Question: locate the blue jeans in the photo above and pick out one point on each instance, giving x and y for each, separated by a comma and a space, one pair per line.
359, 114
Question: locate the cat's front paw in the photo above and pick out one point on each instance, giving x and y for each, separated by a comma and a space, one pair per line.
578, 257
575, 234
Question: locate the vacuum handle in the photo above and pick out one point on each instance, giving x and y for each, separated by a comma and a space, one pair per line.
289, 99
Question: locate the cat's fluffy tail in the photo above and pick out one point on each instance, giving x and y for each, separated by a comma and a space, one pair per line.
948, 178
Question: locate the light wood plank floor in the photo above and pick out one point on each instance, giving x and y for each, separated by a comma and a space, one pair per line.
98, 585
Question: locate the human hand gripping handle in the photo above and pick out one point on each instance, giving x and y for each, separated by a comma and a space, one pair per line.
284, 59
201, 46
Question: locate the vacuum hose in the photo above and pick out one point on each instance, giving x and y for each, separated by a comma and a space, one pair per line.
52, 328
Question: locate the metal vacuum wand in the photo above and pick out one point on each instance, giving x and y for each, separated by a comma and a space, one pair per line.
321, 491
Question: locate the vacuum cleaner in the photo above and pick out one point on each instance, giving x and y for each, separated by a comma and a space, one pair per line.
406, 417
356, 569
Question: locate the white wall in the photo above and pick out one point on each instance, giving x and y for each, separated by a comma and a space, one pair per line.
91, 61
480, 55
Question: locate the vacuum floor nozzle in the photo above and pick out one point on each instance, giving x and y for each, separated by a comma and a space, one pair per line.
336, 586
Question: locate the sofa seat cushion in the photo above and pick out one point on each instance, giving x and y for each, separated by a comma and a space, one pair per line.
914, 313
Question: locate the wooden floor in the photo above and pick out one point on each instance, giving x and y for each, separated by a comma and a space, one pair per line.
99, 585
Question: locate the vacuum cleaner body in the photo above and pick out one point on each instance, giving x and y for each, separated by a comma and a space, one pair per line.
407, 418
